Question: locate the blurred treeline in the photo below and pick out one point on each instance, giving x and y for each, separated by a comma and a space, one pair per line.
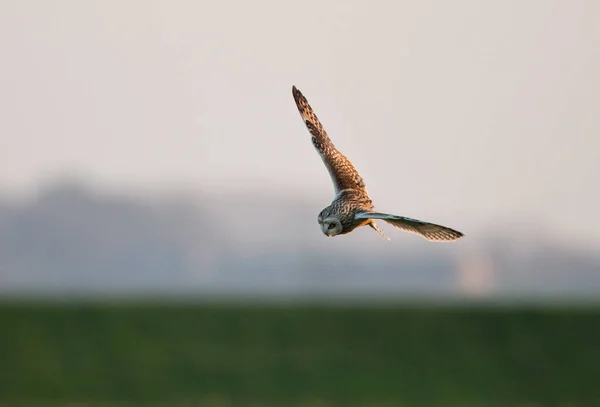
297, 355
73, 238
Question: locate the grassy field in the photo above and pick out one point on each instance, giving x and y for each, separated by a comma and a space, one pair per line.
157, 354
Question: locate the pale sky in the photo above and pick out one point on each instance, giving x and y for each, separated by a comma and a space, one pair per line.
457, 111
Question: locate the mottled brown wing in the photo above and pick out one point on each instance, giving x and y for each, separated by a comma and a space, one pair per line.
342, 172
429, 231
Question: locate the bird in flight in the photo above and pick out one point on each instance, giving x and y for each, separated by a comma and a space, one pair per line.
352, 208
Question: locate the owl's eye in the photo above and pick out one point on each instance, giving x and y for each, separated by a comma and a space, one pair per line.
331, 226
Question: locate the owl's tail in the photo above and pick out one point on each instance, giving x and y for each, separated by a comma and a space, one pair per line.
374, 226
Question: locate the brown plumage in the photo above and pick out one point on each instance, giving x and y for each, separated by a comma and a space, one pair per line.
352, 207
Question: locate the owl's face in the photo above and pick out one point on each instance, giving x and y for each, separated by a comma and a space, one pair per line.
331, 226
330, 223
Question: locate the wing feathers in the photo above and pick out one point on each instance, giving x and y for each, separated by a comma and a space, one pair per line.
430, 231
342, 172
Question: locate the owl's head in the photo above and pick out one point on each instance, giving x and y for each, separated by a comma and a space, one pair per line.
330, 223
331, 227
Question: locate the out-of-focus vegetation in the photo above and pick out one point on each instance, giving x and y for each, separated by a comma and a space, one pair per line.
73, 237
157, 354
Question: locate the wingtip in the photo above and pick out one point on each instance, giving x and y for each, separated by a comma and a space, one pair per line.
295, 91
459, 235
456, 236
298, 96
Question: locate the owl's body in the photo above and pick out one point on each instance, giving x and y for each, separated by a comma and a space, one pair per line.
352, 207
345, 206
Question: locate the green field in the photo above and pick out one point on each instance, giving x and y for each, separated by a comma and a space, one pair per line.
153, 354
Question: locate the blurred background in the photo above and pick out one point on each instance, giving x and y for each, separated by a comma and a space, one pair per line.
159, 195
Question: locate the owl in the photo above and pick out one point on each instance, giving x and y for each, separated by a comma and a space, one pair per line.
351, 207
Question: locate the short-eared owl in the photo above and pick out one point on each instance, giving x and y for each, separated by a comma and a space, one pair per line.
352, 207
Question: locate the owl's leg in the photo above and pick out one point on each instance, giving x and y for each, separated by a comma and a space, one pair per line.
374, 226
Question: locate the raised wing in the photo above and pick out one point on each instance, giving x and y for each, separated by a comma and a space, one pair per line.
342, 172
429, 231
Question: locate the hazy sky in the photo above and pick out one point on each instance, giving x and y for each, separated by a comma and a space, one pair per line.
456, 111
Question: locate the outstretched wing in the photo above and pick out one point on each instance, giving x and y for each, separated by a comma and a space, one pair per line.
429, 231
342, 172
